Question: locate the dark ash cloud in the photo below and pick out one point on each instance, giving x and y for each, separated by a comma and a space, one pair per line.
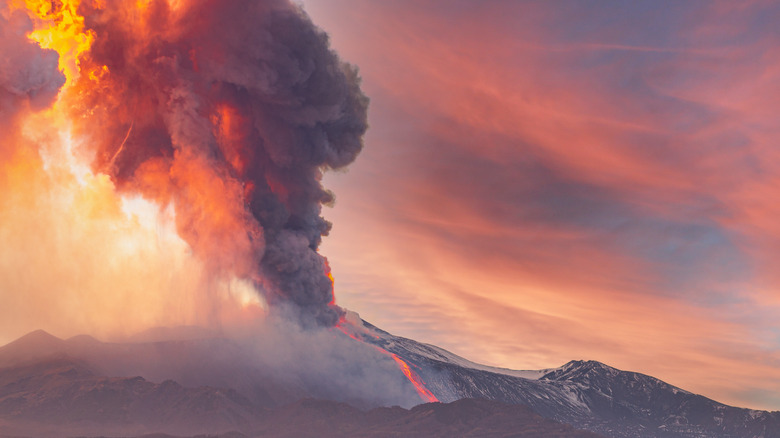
230, 111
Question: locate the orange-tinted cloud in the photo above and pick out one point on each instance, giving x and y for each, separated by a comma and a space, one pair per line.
155, 168
545, 182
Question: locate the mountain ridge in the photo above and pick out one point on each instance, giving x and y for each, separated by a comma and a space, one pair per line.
586, 394
59, 397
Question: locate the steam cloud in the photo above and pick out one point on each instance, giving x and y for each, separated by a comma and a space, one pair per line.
229, 111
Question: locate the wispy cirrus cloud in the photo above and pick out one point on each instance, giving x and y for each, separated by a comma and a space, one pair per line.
578, 179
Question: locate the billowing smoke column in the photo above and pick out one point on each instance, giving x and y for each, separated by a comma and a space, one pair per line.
224, 114
229, 111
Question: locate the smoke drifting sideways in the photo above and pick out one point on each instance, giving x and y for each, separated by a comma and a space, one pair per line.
273, 363
229, 111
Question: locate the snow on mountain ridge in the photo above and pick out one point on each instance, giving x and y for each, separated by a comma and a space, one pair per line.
437, 353
587, 394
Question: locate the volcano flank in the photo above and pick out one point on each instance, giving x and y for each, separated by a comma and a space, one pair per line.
198, 382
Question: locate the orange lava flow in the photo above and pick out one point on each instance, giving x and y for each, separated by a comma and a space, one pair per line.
425, 394
332, 284
413, 377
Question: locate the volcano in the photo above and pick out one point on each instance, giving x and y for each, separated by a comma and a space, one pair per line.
162, 162
189, 381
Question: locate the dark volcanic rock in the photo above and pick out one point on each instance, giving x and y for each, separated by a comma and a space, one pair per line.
632, 404
463, 418
61, 397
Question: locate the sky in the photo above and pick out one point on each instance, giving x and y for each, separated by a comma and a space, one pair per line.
549, 181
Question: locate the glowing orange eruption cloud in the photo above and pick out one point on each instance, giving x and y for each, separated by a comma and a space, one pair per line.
224, 113
173, 176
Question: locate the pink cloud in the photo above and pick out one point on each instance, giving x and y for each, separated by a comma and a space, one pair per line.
544, 182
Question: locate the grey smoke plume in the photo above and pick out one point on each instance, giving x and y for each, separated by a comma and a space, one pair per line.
28, 74
230, 111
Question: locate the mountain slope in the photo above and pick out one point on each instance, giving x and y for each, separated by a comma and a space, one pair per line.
462, 418
213, 385
587, 394
61, 396
628, 399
